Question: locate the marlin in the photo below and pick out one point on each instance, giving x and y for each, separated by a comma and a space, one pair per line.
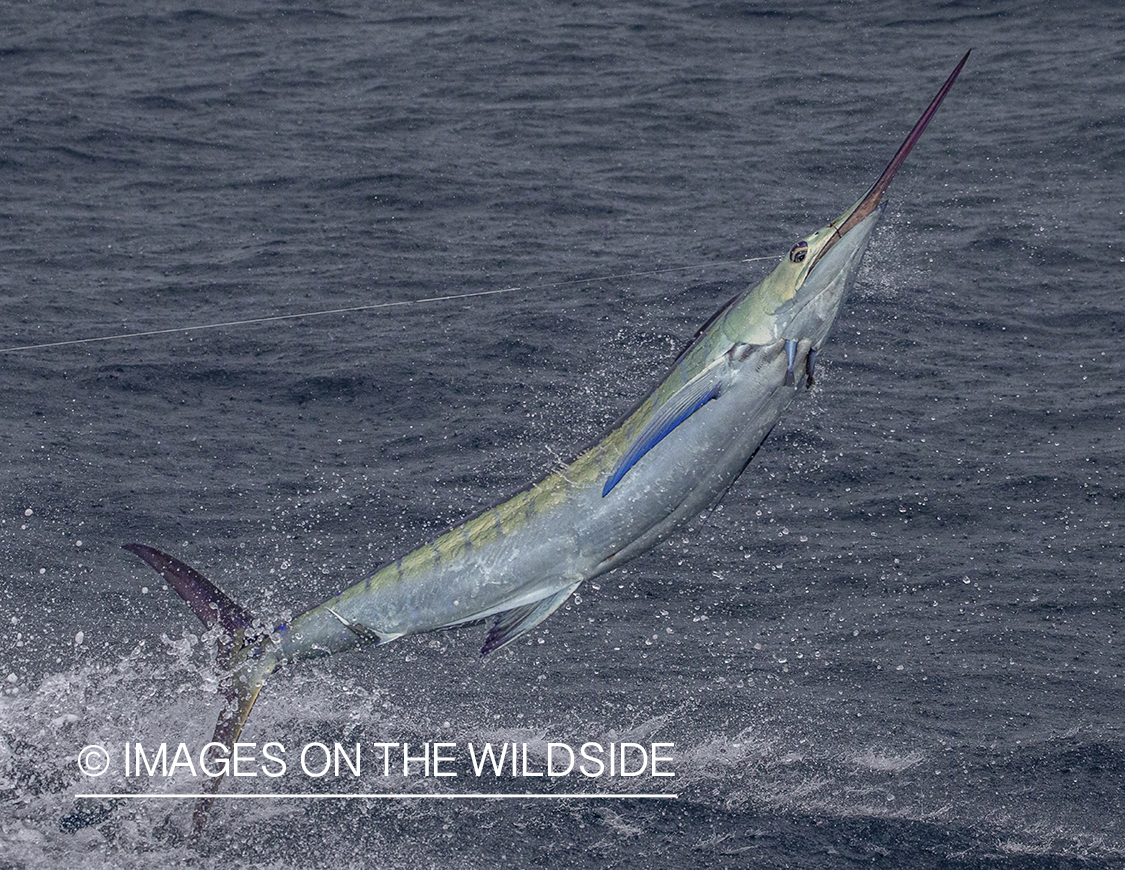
672, 456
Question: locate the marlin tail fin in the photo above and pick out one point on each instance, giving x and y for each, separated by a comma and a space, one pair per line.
244, 666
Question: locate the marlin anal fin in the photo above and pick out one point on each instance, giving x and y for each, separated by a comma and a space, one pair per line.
696, 393
513, 623
361, 631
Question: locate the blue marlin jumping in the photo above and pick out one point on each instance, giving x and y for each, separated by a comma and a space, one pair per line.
672, 456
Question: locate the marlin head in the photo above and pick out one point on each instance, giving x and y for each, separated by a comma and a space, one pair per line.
800, 298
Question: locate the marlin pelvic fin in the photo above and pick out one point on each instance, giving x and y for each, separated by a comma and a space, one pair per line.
513, 623
791, 356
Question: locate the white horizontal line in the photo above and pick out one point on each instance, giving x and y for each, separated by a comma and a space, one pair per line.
253, 321
380, 796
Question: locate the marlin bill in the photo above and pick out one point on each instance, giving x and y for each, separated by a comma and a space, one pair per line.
670, 457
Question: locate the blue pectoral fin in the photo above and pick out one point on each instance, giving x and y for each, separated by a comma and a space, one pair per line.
513, 623
707, 385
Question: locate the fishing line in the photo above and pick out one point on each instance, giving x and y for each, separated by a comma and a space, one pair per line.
373, 306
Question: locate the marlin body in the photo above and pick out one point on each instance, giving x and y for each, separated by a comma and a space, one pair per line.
671, 457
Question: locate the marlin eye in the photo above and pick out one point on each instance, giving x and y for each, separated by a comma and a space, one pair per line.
799, 252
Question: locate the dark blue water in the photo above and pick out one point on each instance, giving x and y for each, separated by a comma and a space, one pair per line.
896, 644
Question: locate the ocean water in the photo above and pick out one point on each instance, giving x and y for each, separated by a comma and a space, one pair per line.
897, 641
